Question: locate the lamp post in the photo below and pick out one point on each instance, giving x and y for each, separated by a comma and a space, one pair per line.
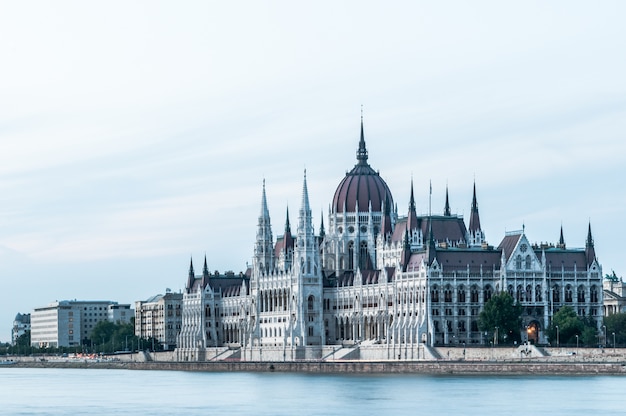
495, 341
604, 331
557, 335
613, 342
576, 344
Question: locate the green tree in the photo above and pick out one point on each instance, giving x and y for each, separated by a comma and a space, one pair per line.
501, 315
615, 324
569, 326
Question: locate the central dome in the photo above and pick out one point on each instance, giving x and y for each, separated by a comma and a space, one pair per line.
362, 187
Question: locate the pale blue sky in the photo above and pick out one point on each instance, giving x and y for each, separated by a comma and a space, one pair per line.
134, 135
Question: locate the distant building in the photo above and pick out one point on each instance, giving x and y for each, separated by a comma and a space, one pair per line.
160, 317
375, 278
21, 324
614, 295
66, 323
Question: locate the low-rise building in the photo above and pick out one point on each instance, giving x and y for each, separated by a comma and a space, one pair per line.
21, 324
160, 317
614, 294
66, 323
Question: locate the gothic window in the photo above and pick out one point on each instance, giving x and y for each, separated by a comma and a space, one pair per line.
518, 262
520, 293
474, 294
487, 293
593, 293
538, 297
581, 293
509, 289
568, 293
528, 262
556, 294
461, 295
447, 294
351, 255
434, 294
529, 293
311, 301
363, 256
461, 326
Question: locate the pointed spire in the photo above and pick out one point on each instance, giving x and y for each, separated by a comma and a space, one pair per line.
446, 209
322, 231
264, 211
205, 274
474, 225
205, 269
590, 251
561, 239
287, 225
305, 195
264, 246
412, 217
361, 154
191, 277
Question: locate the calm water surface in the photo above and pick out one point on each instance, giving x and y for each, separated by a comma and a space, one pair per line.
26, 391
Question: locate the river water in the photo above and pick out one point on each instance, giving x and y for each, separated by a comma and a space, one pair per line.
26, 391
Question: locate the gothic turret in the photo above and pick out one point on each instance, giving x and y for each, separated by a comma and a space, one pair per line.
412, 217
476, 235
446, 209
590, 251
191, 277
561, 240
263, 248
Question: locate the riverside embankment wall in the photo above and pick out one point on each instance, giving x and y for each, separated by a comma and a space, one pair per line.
356, 367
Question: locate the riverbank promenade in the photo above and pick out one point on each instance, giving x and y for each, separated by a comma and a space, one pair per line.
525, 360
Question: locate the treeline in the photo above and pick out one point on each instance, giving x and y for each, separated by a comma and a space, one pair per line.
106, 337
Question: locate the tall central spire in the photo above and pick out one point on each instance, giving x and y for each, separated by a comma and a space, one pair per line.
361, 154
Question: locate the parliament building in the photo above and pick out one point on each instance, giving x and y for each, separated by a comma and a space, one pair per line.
387, 283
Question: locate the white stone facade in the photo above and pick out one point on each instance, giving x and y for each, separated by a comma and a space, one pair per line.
397, 283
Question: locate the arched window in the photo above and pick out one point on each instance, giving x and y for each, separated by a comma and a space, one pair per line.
581, 293
528, 262
529, 293
461, 294
487, 293
363, 255
520, 293
350, 255
538, 296
556, 293
434, 294
593, 293
568, 293
509, 289
518, 262
311, 302
447, 294
474, 294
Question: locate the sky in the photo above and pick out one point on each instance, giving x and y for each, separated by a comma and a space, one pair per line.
137, 135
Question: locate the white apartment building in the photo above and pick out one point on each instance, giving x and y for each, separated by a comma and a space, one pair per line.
66, 323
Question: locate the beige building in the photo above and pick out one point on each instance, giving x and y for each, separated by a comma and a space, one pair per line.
614, 295
160, 317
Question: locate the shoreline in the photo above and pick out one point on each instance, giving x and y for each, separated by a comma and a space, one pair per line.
435, 368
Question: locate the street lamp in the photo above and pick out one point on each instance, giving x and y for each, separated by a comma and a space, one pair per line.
557, 335
613, 342
604, 328
576, 343
495, 341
